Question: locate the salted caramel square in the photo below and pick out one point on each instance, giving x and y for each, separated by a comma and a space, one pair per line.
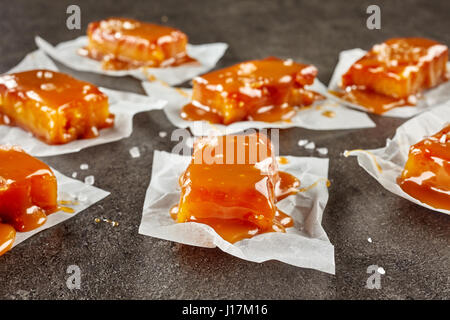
399, 67
121, 43
232, 184
260, 90
53, 106
28, 189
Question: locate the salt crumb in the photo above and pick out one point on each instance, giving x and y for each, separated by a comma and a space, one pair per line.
74, 175
134, 152
322, 151
89, 180
302, 142
163, 134
443, 139
84, 166
380, 270
310, 146
369, 239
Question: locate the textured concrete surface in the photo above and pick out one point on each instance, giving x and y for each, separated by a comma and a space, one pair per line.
410, 242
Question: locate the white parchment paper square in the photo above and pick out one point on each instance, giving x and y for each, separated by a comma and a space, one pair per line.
304, 245
206, 54
310, 117
67, 187
430, 99
124, 105
392, 158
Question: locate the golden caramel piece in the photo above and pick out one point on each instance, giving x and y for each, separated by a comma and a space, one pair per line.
426, 176
121, 43
28, 193
53, 106
393, 72
261, 90
232, 184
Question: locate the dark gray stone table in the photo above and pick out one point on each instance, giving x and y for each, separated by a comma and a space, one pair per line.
410, 242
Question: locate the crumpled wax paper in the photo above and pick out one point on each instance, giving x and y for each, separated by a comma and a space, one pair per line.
206, 54
304, 245
430, 99
124, 105
386, 164
309, 117
69, 190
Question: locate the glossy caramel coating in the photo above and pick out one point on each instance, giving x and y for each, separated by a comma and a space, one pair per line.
426, 176
28, 190
122, 43
7, 237
233, 184
53, 106
394, 71
260, 90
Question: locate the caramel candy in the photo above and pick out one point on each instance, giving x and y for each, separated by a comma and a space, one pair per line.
261, 90
232, 184
426, 176
393, 71
53, 106
28, 189
122, 43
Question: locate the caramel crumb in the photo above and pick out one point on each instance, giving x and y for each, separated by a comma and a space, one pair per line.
329, 114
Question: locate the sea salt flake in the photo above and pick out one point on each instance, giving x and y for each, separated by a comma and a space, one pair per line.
163, 134
89, 180
74, 175
443, 139
84, 166
302, 142
310, 146
369, 239
322, 151
380, 270
134, 152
